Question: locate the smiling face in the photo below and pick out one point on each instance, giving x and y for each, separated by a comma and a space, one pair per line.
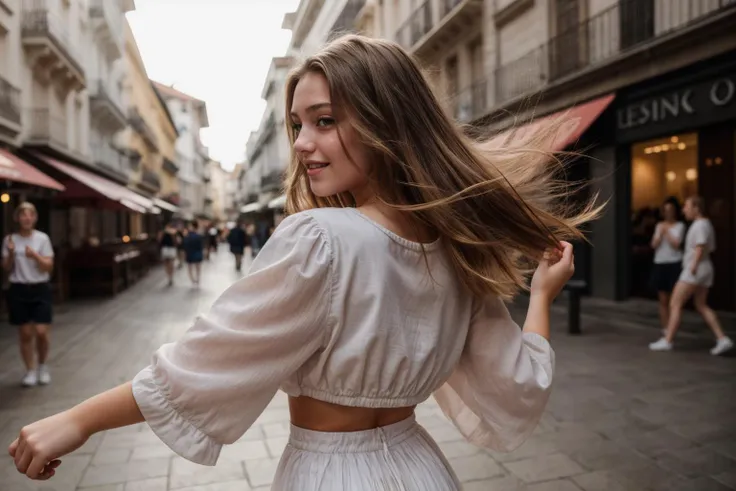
332, 166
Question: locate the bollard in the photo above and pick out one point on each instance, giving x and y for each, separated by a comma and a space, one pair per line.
574, 287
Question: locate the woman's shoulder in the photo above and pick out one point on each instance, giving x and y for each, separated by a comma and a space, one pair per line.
38, 234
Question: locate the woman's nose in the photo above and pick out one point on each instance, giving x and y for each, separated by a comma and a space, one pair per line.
303, 144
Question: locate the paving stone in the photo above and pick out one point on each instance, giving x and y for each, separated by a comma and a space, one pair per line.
244, 450
111, 456
187, 474
545, 468
475, 467
241, 485
505, 483
97, 475
260, 472
157, 451
556, 485
600, 481
156, 484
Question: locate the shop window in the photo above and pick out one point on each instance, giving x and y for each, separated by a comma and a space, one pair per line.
659, 169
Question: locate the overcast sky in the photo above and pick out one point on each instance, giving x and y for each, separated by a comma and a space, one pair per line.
218, 51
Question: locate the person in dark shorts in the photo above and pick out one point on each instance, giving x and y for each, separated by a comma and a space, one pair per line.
238, 240
29, 258
667, 244
194, 252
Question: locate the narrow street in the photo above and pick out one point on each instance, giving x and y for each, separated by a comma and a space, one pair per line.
620, 419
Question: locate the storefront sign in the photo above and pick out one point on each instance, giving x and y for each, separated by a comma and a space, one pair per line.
681, 109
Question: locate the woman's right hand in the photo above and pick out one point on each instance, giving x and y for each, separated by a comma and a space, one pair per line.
554, 270
37, 450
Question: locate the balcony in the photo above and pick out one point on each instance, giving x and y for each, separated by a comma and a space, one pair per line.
107, 24
436, 24
9, 109
48, 47
139, 125
304, 21
272, 181
46, 129
110, 160
150, 180
614, 35
104, 107
346, 20
170, 167
471, 103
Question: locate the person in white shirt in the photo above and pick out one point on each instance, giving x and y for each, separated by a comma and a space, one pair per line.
695, 279
384, 286
29, 258
667, 245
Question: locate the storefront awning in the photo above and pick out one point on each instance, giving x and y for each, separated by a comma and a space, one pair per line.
163, 204
575, 121
98, 186
251, 207
15, 169
278, 202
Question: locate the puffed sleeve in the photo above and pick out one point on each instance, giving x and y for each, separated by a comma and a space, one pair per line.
501, 385
207, 389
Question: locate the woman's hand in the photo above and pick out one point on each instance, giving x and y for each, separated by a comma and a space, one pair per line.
10, 244
40, 444
556, 267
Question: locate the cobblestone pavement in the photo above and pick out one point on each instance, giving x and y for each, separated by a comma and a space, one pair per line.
620, 418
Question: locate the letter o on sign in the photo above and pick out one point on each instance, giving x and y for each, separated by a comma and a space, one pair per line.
722, 91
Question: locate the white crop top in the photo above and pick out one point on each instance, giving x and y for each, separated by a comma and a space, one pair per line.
340, 309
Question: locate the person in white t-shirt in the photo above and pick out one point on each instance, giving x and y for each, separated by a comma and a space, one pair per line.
695, 279
29, 259
667, 245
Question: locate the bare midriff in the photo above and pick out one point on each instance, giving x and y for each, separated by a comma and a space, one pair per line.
315, 415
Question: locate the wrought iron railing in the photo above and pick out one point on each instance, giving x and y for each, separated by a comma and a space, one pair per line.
446, 6
626, 25
472, 102
39, 21
419, 23
136, 121
100, 92
273, 181
108, 157
345, 22
170, 167
150, 178
9, 101
43, 127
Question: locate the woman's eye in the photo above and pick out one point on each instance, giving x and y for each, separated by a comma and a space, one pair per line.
325, 122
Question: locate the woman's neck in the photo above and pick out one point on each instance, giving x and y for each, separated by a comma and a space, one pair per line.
25, 233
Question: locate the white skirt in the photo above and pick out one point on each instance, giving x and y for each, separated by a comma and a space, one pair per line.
168, 252
398, 457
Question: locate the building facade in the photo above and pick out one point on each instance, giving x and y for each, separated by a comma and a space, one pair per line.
649, 85
190, 116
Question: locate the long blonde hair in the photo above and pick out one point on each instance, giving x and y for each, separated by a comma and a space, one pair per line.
494, 206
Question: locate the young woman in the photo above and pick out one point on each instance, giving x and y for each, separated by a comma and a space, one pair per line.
194, 252
695, 280
384, 286
168, 241
29, 258
667, 244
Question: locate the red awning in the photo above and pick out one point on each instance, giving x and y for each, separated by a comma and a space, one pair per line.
576, 120
101, 187
13, 168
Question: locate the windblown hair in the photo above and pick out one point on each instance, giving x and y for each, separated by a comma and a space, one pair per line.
495, 205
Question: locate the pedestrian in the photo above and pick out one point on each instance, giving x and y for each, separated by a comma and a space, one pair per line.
194, 252
181, 233
238, 240
212, 240
695, 280
168, 241
384, 286
29, 258
667, 240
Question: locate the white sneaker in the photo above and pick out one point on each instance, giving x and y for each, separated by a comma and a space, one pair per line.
661, 345
44, 377
722, 345
31, 379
